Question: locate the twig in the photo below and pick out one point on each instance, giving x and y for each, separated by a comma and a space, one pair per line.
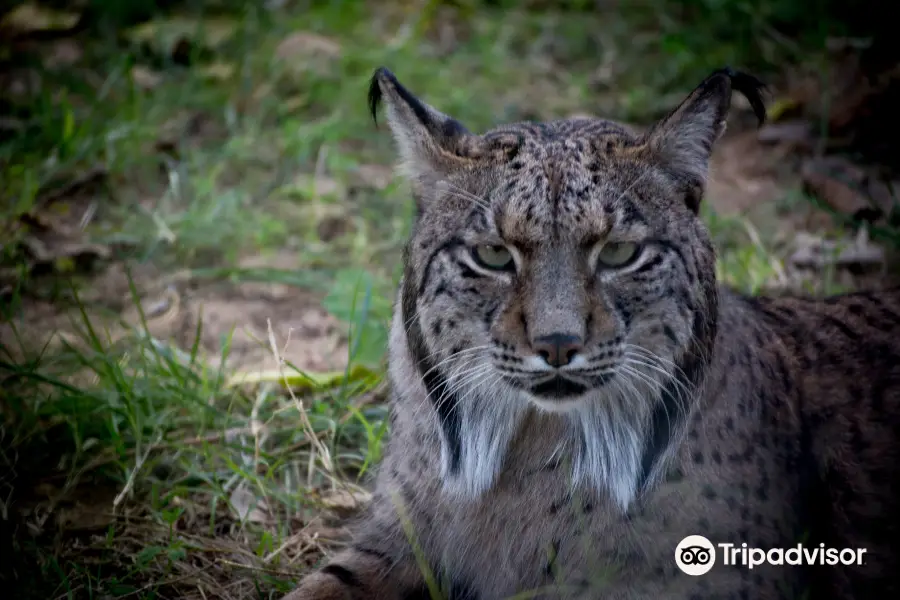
776, 265
69, 592
304, 417
225, 561
159, 584
131, 477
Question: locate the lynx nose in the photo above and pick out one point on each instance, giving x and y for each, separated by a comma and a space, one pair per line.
557, 349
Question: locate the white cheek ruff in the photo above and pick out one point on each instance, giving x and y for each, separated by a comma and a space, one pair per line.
555, 406
606, 444
609, 449
608, 429
489, 418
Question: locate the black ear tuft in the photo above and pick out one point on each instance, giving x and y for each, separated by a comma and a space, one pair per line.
375, 93
430, 144
683, 140
752, 89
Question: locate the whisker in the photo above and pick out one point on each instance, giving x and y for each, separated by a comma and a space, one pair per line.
682, 392
454, 356
629, 370
463, 194
630, 186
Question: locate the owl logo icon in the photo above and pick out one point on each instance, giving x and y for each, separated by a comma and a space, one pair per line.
695, 555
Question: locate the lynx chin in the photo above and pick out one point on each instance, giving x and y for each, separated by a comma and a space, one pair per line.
573, 393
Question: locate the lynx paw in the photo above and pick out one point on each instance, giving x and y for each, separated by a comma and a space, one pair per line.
322, 586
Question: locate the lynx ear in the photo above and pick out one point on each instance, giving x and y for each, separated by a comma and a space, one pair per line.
431, 144
683, 140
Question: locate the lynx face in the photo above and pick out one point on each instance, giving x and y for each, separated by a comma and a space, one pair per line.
559, 265
568, 276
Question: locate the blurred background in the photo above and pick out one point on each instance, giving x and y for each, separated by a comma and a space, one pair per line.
201, 232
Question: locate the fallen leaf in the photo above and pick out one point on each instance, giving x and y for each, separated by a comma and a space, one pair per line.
795, 133
781, 106
345, 501
218, 71
886, 196
303, 52
857, 254
11, 124
83, 517
166, 35
81, 183
30, 17
53, 231
63, 53
145, 78
56, 251
263, 91
293, 104
842, 185
303, 43
246, 506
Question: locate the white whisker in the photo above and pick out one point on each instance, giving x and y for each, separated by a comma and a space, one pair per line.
459, 192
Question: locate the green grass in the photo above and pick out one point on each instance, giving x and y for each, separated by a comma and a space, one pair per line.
131, 466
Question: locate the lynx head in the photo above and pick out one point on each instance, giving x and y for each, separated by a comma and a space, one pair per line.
561, 267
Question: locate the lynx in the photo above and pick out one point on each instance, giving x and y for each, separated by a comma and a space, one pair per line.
573, 394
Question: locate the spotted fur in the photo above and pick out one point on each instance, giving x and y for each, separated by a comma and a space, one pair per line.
561, 420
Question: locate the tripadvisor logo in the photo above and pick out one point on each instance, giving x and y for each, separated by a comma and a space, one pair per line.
695, 555
796, 555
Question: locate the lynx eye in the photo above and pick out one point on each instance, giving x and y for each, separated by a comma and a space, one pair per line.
496, 258
617, 254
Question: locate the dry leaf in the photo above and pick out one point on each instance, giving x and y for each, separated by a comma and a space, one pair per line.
305, 52
345, 500
11, 124
246, 506
145, 78
293, 104
795, 133
816, 252
842, 185
303, 43
54, 229
55, 250
165, 36
63, 53
220, 71
30, 17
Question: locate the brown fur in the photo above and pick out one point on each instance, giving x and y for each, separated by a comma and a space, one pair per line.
694, 410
